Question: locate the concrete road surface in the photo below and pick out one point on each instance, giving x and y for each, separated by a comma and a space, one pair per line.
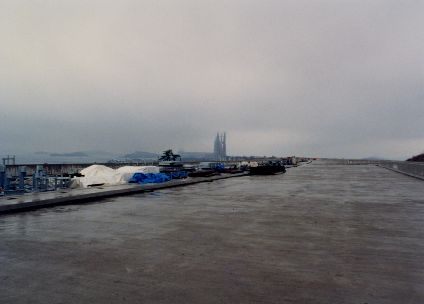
321, 233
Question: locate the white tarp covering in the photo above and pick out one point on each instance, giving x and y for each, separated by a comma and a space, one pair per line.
125, 173
102, 175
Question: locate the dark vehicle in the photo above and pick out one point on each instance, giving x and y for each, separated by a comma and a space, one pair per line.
268, 168
202, 173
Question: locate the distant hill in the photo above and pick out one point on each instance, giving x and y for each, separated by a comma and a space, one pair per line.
140, 155
71, 154
417, 158
41, 157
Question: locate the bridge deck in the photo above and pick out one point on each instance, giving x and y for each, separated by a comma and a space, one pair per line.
318, 234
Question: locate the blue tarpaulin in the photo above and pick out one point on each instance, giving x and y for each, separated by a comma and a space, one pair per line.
220, 167
178, 174
149, 178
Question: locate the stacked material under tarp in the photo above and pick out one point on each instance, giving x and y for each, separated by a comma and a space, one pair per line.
101, 175
126, 173
94, 175
249, 164
149, 178
178, 174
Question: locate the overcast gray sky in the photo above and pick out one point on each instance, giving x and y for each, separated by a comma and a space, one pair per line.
317, 78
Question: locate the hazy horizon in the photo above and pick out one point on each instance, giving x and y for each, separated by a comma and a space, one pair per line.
105, 156
325, 78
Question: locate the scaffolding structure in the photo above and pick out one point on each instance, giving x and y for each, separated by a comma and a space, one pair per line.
9, 160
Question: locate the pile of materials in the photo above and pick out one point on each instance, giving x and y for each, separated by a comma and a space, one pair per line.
149, 178
98, 175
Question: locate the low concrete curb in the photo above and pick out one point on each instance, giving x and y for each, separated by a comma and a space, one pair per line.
401, 172
26, 202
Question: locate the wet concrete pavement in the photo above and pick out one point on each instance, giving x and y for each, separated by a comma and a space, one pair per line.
318, 234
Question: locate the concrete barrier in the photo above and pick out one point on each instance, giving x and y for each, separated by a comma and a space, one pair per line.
408, 168
413, 169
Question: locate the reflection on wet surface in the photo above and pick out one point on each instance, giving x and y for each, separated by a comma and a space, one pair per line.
347, 234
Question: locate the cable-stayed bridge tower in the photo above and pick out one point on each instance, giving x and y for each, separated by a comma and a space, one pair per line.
220, 146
